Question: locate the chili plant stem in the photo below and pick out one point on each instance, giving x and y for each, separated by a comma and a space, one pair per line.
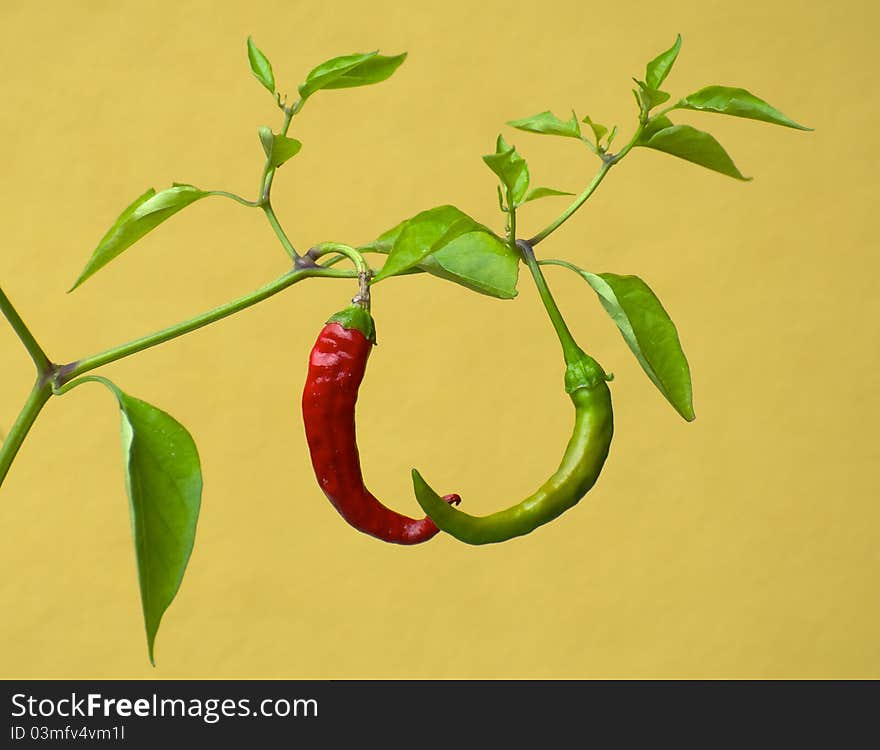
570, 350
264, 200
269, 172
24, 334
608, 161
279, 232
236, 198
511, 222
39, 395
66, 373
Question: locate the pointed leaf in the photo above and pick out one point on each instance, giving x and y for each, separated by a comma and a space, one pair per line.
659, 67
611, 137
267, 140
648, 97
373, 70
350, 71
510, 167
424, 234
654, 125
648, 331
142, 216
542, 192
163, 478
260, 66
479, 261
549, 124
283, 149
738, 103
476, 259
599, 131
695, 146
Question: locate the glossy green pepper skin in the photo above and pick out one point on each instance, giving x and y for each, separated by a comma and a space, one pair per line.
585, 383
577, 473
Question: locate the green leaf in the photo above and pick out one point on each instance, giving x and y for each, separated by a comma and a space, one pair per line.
423, 234
163, 478
693, 145
648, 97
738, 103
280, 148
260, 66
542, 192
476, 259
142, 216
654, 125
479, 261
659, 67
549, 124
350, 71
501, 205
599, 131
611, 137
267, 140
648, 331
510, 167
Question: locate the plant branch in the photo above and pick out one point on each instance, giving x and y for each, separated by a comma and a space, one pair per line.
511, 221
345, 251
608, 161
236, 198
264, 198
39, 357
268, 169
66, 373
279, 232
570, 348
39, 395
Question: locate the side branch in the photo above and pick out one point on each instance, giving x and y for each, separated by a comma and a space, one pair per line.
24, 334
66, 373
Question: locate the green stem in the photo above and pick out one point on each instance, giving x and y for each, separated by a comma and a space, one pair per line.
66, 373
88, 379
279, 232
341, 257
236, 198
355, 256
269, 171
264, 200
364, 272
666, 111
24, 334
608, 161
39, 395
563, 263
511, 225
570, 350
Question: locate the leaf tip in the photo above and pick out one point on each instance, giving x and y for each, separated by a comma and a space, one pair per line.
76, 284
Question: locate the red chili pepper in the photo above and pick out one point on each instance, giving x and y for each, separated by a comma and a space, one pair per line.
336, 368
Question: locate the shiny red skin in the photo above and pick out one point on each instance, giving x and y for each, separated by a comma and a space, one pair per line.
336, 368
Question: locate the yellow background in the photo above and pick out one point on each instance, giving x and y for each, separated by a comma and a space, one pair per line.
742, 545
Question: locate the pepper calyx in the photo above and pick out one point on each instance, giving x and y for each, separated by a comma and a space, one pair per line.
356, 317
582, 371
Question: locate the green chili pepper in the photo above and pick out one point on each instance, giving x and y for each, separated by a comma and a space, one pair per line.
580, 466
